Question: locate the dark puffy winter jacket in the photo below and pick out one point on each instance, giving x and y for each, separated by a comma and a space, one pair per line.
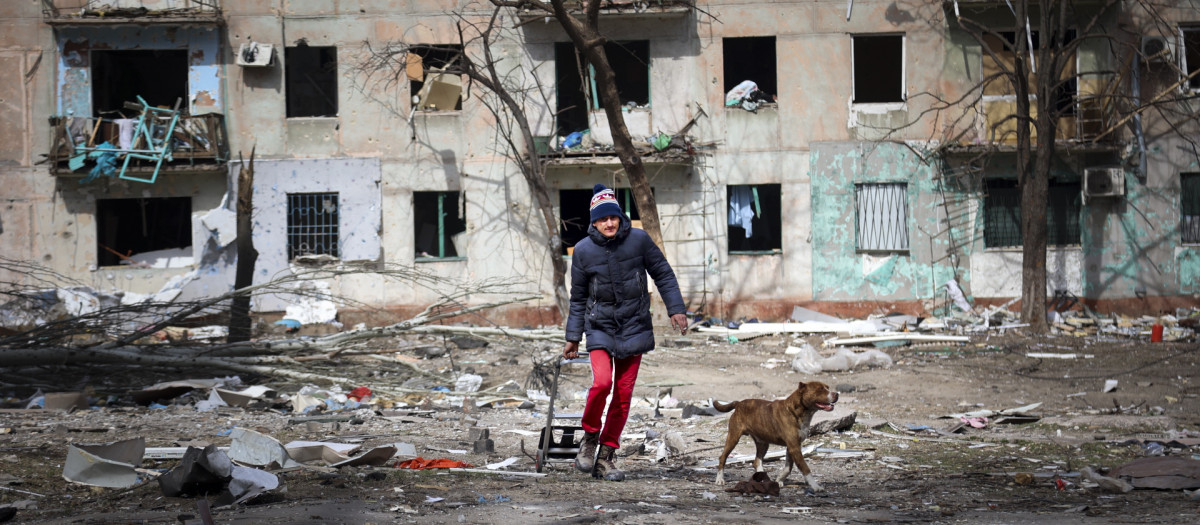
609, 299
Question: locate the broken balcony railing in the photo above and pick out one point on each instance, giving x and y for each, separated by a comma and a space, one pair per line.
116, 12
138, 148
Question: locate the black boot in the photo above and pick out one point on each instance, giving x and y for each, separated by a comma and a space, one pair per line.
585, 459
605, 468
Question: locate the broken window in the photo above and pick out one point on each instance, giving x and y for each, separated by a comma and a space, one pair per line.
311, 76
158, 76
1189, 206
144, 232
437, 221
1002, 214
1000, 59
878, 68
577, 91
575, 214
432, 90
882, 217
753, 59
1191, 55
312, 224
755, 218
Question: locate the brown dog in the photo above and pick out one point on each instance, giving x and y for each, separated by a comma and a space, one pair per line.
784, 422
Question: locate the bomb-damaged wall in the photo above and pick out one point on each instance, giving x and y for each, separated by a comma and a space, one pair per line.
841, 271
76, 74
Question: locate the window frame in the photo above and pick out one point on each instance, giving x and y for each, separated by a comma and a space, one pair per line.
746, 40
1192, 85
859, 220
1184, 208
1065, 189
293, 251
443, 239
903, 70
289, 68
414, 93
775, 226
1012, 97
184, 217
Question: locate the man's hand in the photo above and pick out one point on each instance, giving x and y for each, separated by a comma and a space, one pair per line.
571, 350
680, 322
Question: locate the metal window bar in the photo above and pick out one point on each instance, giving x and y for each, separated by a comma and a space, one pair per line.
882, 217
1189, 207
312, 224
1002, 215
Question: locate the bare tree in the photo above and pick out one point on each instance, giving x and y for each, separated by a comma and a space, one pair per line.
1032, 56
508, 95
106, 331
589, 42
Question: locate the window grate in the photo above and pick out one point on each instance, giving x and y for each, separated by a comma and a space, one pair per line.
1002, 214
1189, 206
882, 217
312, 224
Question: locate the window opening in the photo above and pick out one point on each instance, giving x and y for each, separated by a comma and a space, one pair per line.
575, 213
437, 220
159, 76
577, 91
1002, 214
882, 217
312, 224
750, 59
431, 89
1191, 54
755, 218
878, 68
311, 76
1189, 185
1003, 46
144, 232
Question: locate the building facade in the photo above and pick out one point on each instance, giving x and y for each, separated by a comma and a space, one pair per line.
871, 167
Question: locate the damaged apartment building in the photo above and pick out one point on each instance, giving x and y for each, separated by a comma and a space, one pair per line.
830, 154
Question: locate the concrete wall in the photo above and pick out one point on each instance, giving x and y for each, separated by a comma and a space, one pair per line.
841, 272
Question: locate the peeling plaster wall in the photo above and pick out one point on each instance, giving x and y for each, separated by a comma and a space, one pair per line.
74, 62
357, 183
840, 273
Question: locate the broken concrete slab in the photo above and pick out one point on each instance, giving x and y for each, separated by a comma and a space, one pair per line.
840, 418
1162, 472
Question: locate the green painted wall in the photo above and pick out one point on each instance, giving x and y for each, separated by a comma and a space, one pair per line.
840, 272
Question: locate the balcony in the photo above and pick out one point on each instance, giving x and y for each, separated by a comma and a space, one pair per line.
132, 12
619, 9
91, 147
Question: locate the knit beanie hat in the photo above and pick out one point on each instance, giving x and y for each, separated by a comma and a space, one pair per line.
604, 203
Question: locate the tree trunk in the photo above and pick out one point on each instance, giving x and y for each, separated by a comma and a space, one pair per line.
588, 40
239, 310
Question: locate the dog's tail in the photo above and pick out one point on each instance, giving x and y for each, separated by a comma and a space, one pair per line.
724, 407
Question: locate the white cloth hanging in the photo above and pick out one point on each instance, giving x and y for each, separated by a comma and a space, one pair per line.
741, 208
125, 129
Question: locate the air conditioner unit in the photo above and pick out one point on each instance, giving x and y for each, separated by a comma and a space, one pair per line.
1103, 182
1160, 49
254, 54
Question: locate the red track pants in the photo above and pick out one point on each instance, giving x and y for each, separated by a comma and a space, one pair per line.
606, 376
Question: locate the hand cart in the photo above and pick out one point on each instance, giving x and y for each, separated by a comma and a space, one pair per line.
559, 442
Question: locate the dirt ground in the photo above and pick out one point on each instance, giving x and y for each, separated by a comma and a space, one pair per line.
895, 475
